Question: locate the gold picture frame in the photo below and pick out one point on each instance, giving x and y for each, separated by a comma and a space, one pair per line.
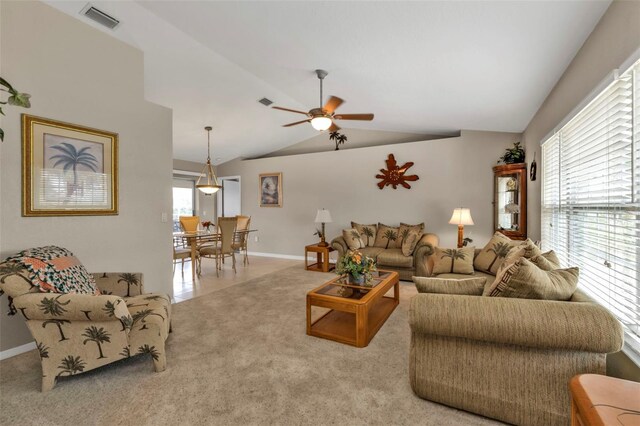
270, 189
68, 170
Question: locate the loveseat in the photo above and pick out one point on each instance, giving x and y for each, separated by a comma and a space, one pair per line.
392, 258
75, 333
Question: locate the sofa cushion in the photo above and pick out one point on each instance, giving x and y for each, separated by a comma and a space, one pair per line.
525, 280
410, 242
547, 261
352, 238
476, 274
471, 286
453, 260
492, 255
371, 252
367, 232
393, 257
405, 230
55, 269
386, 236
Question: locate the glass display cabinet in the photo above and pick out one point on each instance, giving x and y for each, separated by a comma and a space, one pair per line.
510, 200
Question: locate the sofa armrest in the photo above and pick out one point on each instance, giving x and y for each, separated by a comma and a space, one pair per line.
422, 253
340, 245
123, 284
531, 323
71, 307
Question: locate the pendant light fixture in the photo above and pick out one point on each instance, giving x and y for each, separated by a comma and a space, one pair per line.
211, 185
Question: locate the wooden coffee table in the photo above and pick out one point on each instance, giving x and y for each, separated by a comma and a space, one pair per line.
356, 312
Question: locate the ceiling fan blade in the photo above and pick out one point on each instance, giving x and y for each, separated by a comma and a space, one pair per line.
296, 123
290, 110
334, 127
364, 117
332, 104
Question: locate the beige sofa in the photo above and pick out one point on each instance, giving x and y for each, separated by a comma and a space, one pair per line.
392, 258
505, 358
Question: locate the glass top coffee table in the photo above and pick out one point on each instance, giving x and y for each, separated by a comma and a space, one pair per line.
356, 312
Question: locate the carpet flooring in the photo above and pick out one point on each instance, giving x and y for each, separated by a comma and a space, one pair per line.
239, 355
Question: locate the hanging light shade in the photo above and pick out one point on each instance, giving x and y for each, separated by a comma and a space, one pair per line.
321, 123
208, 182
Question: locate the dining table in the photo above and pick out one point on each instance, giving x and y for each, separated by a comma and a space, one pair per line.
198, 238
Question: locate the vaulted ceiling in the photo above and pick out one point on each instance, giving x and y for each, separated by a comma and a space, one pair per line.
421, 67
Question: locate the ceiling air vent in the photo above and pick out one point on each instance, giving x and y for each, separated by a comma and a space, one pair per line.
99, 16
265, 101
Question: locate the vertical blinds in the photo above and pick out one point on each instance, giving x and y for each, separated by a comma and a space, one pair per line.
591, 199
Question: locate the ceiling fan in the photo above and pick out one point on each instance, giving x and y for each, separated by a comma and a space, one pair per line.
323, 118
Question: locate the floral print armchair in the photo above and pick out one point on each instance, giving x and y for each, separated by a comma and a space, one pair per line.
75, 333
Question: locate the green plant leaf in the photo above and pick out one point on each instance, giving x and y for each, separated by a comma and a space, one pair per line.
1, 135
20, 99
6, 84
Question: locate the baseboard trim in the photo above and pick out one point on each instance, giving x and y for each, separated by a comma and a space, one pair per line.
279, 256
17, 350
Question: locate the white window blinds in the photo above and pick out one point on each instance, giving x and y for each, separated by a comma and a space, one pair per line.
591, 199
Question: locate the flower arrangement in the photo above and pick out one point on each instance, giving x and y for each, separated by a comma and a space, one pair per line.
207, 224
357, 265
513, 155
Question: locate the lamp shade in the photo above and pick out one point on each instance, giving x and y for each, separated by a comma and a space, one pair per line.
461, 216
323, 216
321, 123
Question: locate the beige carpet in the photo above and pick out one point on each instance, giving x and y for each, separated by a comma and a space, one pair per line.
239, 356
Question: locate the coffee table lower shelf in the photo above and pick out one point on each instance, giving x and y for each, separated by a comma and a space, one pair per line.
353, 328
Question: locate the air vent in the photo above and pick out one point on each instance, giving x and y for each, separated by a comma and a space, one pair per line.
265, 101
100, 17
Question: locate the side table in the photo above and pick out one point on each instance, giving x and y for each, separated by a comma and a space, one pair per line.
322, 258
602, 400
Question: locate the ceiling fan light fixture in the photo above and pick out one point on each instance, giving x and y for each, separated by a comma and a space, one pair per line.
208, 177
321, 123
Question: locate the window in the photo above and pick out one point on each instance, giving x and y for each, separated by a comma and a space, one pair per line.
183, 200
591, 199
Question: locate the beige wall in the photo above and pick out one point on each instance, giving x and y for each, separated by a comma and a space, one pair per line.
80, 75
612, 41
453, 172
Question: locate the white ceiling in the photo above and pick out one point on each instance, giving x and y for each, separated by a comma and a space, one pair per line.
421, 67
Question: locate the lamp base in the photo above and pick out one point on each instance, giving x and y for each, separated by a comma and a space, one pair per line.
323, 243
460, 235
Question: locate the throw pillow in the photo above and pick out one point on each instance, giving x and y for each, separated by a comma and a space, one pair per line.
410, 242
56, 269
492, 255
352, 238
404, 230
546, 261
453, 261
464, 286
386, 236
367, 233
525, 280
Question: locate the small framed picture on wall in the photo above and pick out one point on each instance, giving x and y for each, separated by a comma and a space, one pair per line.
270, 189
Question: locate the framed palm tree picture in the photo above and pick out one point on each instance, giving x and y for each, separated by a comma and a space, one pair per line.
270, 190
68, 170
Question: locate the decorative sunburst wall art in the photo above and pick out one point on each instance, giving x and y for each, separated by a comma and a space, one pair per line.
395, 175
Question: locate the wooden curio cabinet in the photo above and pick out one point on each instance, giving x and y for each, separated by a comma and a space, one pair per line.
510, 200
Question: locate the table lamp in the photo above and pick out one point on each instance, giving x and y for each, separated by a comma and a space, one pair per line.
323, 216
461, 217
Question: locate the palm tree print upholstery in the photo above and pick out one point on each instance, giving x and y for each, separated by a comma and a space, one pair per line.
405, 230
367, 232
386, 236
493, 254
75, 333
453, 261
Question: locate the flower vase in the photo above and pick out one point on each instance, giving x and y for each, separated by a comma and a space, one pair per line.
357, 280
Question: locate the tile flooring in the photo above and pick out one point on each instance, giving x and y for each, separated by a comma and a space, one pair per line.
184, 288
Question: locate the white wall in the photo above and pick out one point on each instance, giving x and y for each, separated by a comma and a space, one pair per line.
612, 41
453, 172
80, 75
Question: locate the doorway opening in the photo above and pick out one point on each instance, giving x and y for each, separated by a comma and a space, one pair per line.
229, 197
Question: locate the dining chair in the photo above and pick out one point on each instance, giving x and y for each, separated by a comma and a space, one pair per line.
189, 223
241, 238
181, 252
226, 228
